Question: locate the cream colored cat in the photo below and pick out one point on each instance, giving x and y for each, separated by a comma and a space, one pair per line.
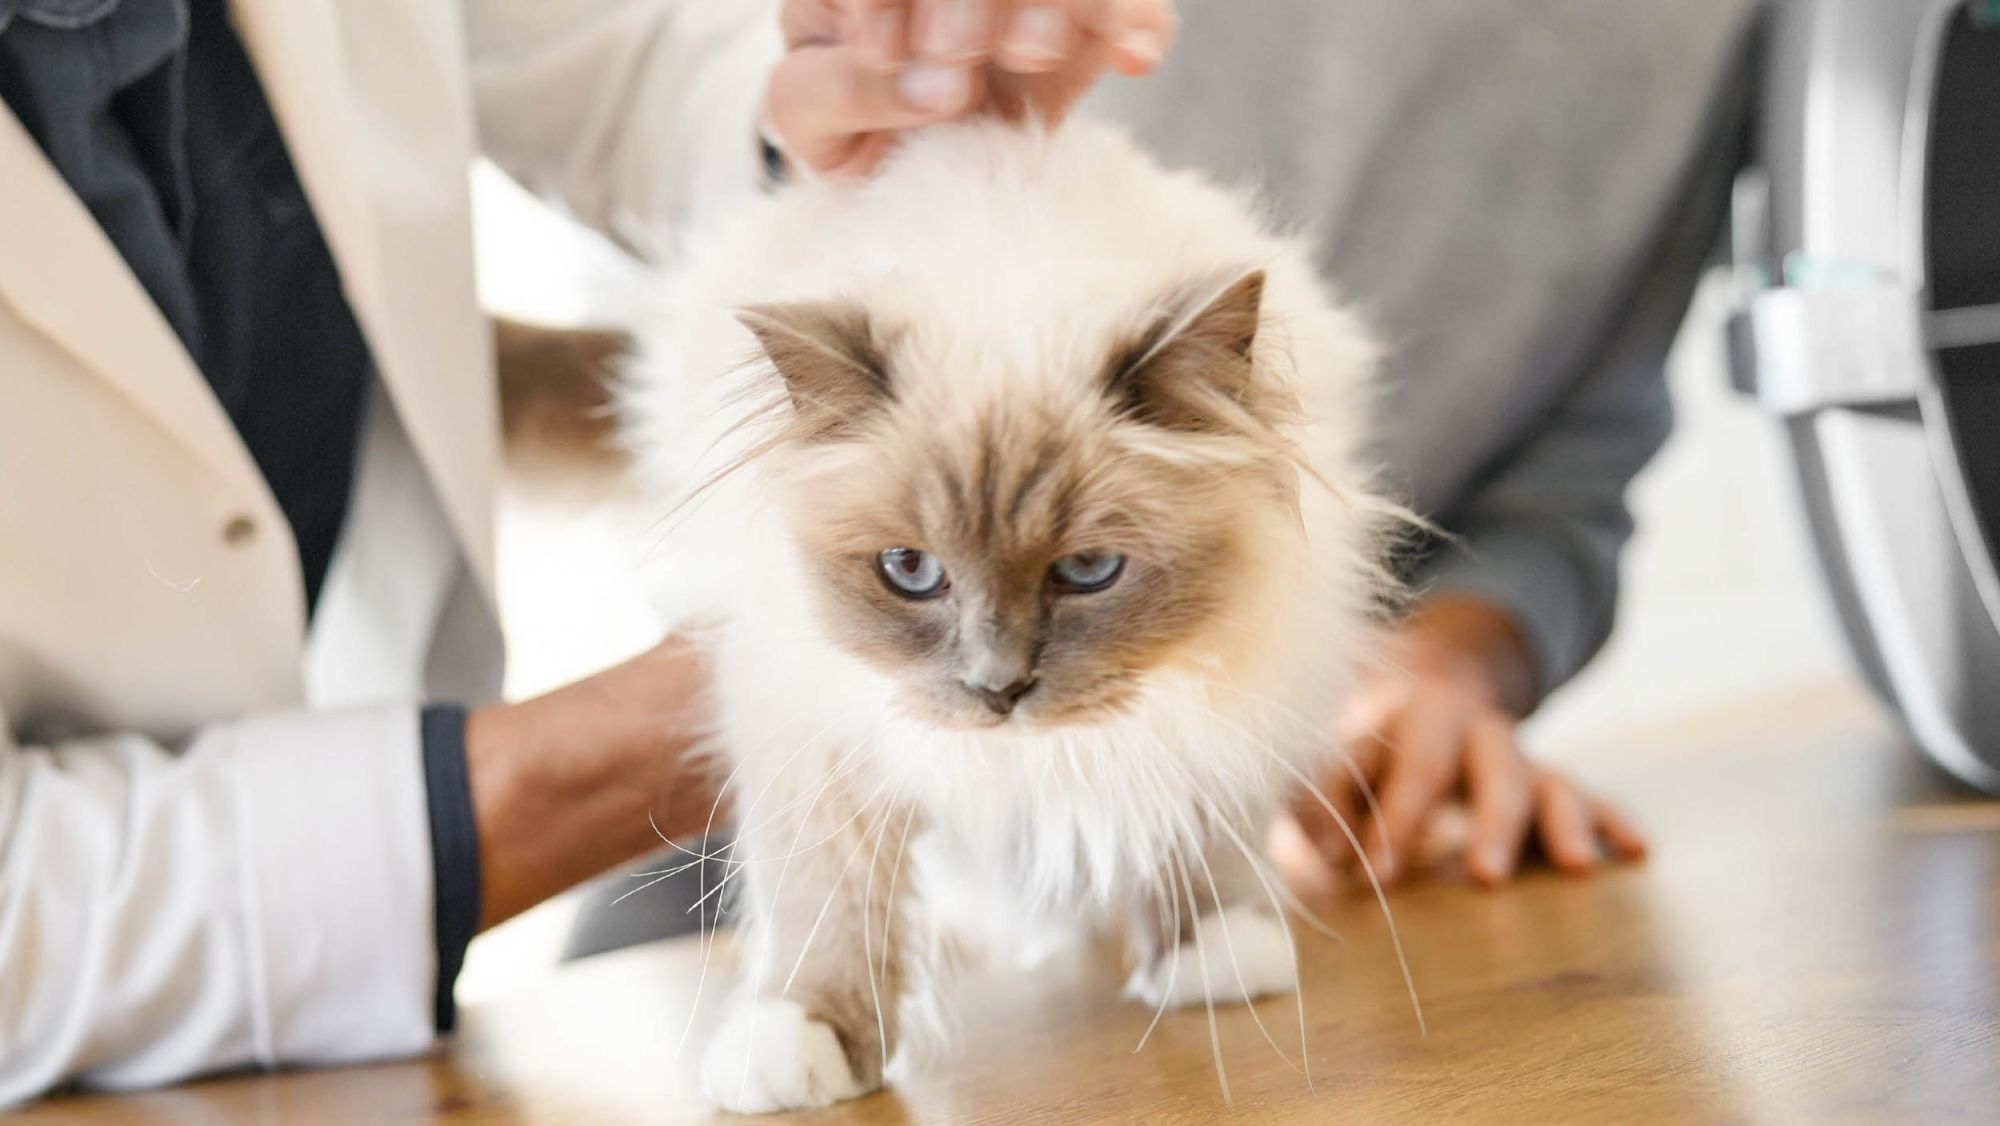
1017, 489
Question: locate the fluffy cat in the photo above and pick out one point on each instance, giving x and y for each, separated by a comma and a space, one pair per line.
1018, 491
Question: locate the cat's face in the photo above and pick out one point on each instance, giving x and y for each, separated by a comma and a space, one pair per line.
1029, 558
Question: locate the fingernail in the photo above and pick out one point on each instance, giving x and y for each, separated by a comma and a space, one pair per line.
1384, 866
1492, 863
1039, 34
958, 30
885, 36
1142, 46
933, 88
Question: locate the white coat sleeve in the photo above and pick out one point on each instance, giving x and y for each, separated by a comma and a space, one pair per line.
261, 894
639, 116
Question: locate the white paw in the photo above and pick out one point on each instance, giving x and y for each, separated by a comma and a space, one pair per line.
769, 1056
1241, 954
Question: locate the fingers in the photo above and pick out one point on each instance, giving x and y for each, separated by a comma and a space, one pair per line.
1322, 815
1625, 840
1500, 786
890, 33
1297, 857
884, 37
1139, 32
1563, 820
1023, 36
1036, 38
828, 106
952, 31
1424, 766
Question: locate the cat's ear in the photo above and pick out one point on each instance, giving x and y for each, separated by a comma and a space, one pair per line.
829, 357
1190, 370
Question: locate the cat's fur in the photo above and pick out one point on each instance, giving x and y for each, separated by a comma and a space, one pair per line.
1008, 347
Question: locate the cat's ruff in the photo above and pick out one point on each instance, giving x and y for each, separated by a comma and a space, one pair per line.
1026, 358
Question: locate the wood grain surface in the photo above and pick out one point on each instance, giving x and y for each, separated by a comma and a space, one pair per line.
1814, 940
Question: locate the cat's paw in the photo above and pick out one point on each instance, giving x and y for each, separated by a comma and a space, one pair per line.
770, 1056
1240, 954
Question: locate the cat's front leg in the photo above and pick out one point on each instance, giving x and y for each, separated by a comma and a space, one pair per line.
1213, 932
816, 1019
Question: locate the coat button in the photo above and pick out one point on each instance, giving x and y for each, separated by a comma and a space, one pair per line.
239, 531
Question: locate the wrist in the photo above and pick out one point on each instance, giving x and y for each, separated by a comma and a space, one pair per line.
569, 784
1472, 643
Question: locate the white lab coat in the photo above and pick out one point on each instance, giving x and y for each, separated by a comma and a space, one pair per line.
214, 842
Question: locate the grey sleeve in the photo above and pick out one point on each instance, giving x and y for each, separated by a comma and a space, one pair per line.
1541, 538
1542, 534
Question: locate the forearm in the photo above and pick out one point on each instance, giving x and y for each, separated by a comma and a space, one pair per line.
638, 115
570, 784
284, 852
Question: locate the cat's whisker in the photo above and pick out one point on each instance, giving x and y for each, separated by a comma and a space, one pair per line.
867, 946
813, 933
703, 856
806, 946
721, 791
1235, 965
1257, 869
1340, 755
786, 858
1374, 882
778, 886
706, 937
699, 857
709, 946
830, 835
1320, 796
643, 887
737, 866
1207, 989
1297, 907
1220, 820
743, 815
895, 873
1173, 966
843, 768
696, 857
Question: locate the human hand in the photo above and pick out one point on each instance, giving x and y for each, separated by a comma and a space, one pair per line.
858, 72
1436, 728
570, 784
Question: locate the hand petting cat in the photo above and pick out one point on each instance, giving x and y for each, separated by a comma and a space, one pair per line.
857, 72
1434, 727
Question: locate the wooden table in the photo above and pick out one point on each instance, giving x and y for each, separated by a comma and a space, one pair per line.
1816, 939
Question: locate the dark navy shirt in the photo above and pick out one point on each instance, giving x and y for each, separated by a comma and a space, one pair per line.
153, 113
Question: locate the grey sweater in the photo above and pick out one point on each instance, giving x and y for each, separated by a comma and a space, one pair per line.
1521, 195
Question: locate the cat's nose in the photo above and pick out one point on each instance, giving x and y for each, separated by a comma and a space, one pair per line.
1001, 700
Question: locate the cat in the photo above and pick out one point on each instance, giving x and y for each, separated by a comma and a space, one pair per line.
1019, 492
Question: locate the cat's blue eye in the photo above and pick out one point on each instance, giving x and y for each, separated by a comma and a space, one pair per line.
1086, 572
911, 573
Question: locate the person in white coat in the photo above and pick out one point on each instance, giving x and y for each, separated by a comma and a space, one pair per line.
255, 796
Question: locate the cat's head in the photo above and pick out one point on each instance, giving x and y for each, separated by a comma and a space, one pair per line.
1024, 538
